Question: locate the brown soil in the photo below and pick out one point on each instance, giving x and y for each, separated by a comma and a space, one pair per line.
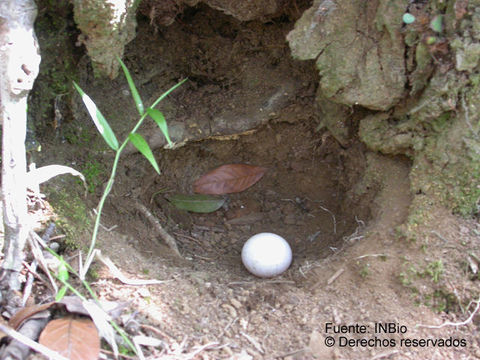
350, 266
339, 208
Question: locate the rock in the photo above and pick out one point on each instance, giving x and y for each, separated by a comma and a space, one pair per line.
317, 347
371, 73
467, 57
107, 26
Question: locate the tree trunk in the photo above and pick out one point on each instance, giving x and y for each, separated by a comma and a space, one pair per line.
19, 63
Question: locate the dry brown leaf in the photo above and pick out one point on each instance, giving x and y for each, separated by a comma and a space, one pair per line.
227, 179
76, 339
23, 314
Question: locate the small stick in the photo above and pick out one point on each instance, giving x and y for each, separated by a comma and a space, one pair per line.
230, 323
188, 237
201, 348
157, 331
261, 282
333, 217
118, 274
449, 323
335, 276
27, 289
156, 224
253, 342
372, 255
33, 240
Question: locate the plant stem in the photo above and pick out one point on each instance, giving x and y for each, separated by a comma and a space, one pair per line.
107, 190
110, 182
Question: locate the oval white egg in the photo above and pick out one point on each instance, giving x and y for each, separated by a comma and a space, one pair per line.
266, 255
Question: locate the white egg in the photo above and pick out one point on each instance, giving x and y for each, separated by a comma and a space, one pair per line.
266, 255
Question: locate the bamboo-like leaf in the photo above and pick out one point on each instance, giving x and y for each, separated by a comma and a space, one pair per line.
139, 142
76, 339
198, 203
61, 293
158, 117
100, 122
38, 176
133, 89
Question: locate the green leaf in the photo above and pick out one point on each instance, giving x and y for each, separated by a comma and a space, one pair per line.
161, 97
408, 18
133, 89
100, 122
62, 271
199, 203
61, 293
139, 142
437, 23
158, 117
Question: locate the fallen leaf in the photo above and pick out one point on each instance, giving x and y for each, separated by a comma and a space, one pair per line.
25, 313
198, 203
76, 339
227, 179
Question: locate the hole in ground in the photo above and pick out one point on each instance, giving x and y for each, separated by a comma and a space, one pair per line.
305, 196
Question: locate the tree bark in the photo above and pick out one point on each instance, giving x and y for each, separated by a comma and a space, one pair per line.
19, 65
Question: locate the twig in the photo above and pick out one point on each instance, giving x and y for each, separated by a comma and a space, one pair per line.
254, 342
201, 348
372, 255
27, 289
118, 274
449, 323
108, 229
261, 282
36, 274
32, 269
333, 217
335, 276
157, 331
230, 323
156, 224
31, 344
34, 240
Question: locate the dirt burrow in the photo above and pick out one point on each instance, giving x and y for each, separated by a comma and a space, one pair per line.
339, 207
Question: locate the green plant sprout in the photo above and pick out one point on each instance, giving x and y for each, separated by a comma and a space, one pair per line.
136, 139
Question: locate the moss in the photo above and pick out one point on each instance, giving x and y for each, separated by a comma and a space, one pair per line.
56, 36
95, 174
72, 215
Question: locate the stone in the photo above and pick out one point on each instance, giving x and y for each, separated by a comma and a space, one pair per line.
371, 73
